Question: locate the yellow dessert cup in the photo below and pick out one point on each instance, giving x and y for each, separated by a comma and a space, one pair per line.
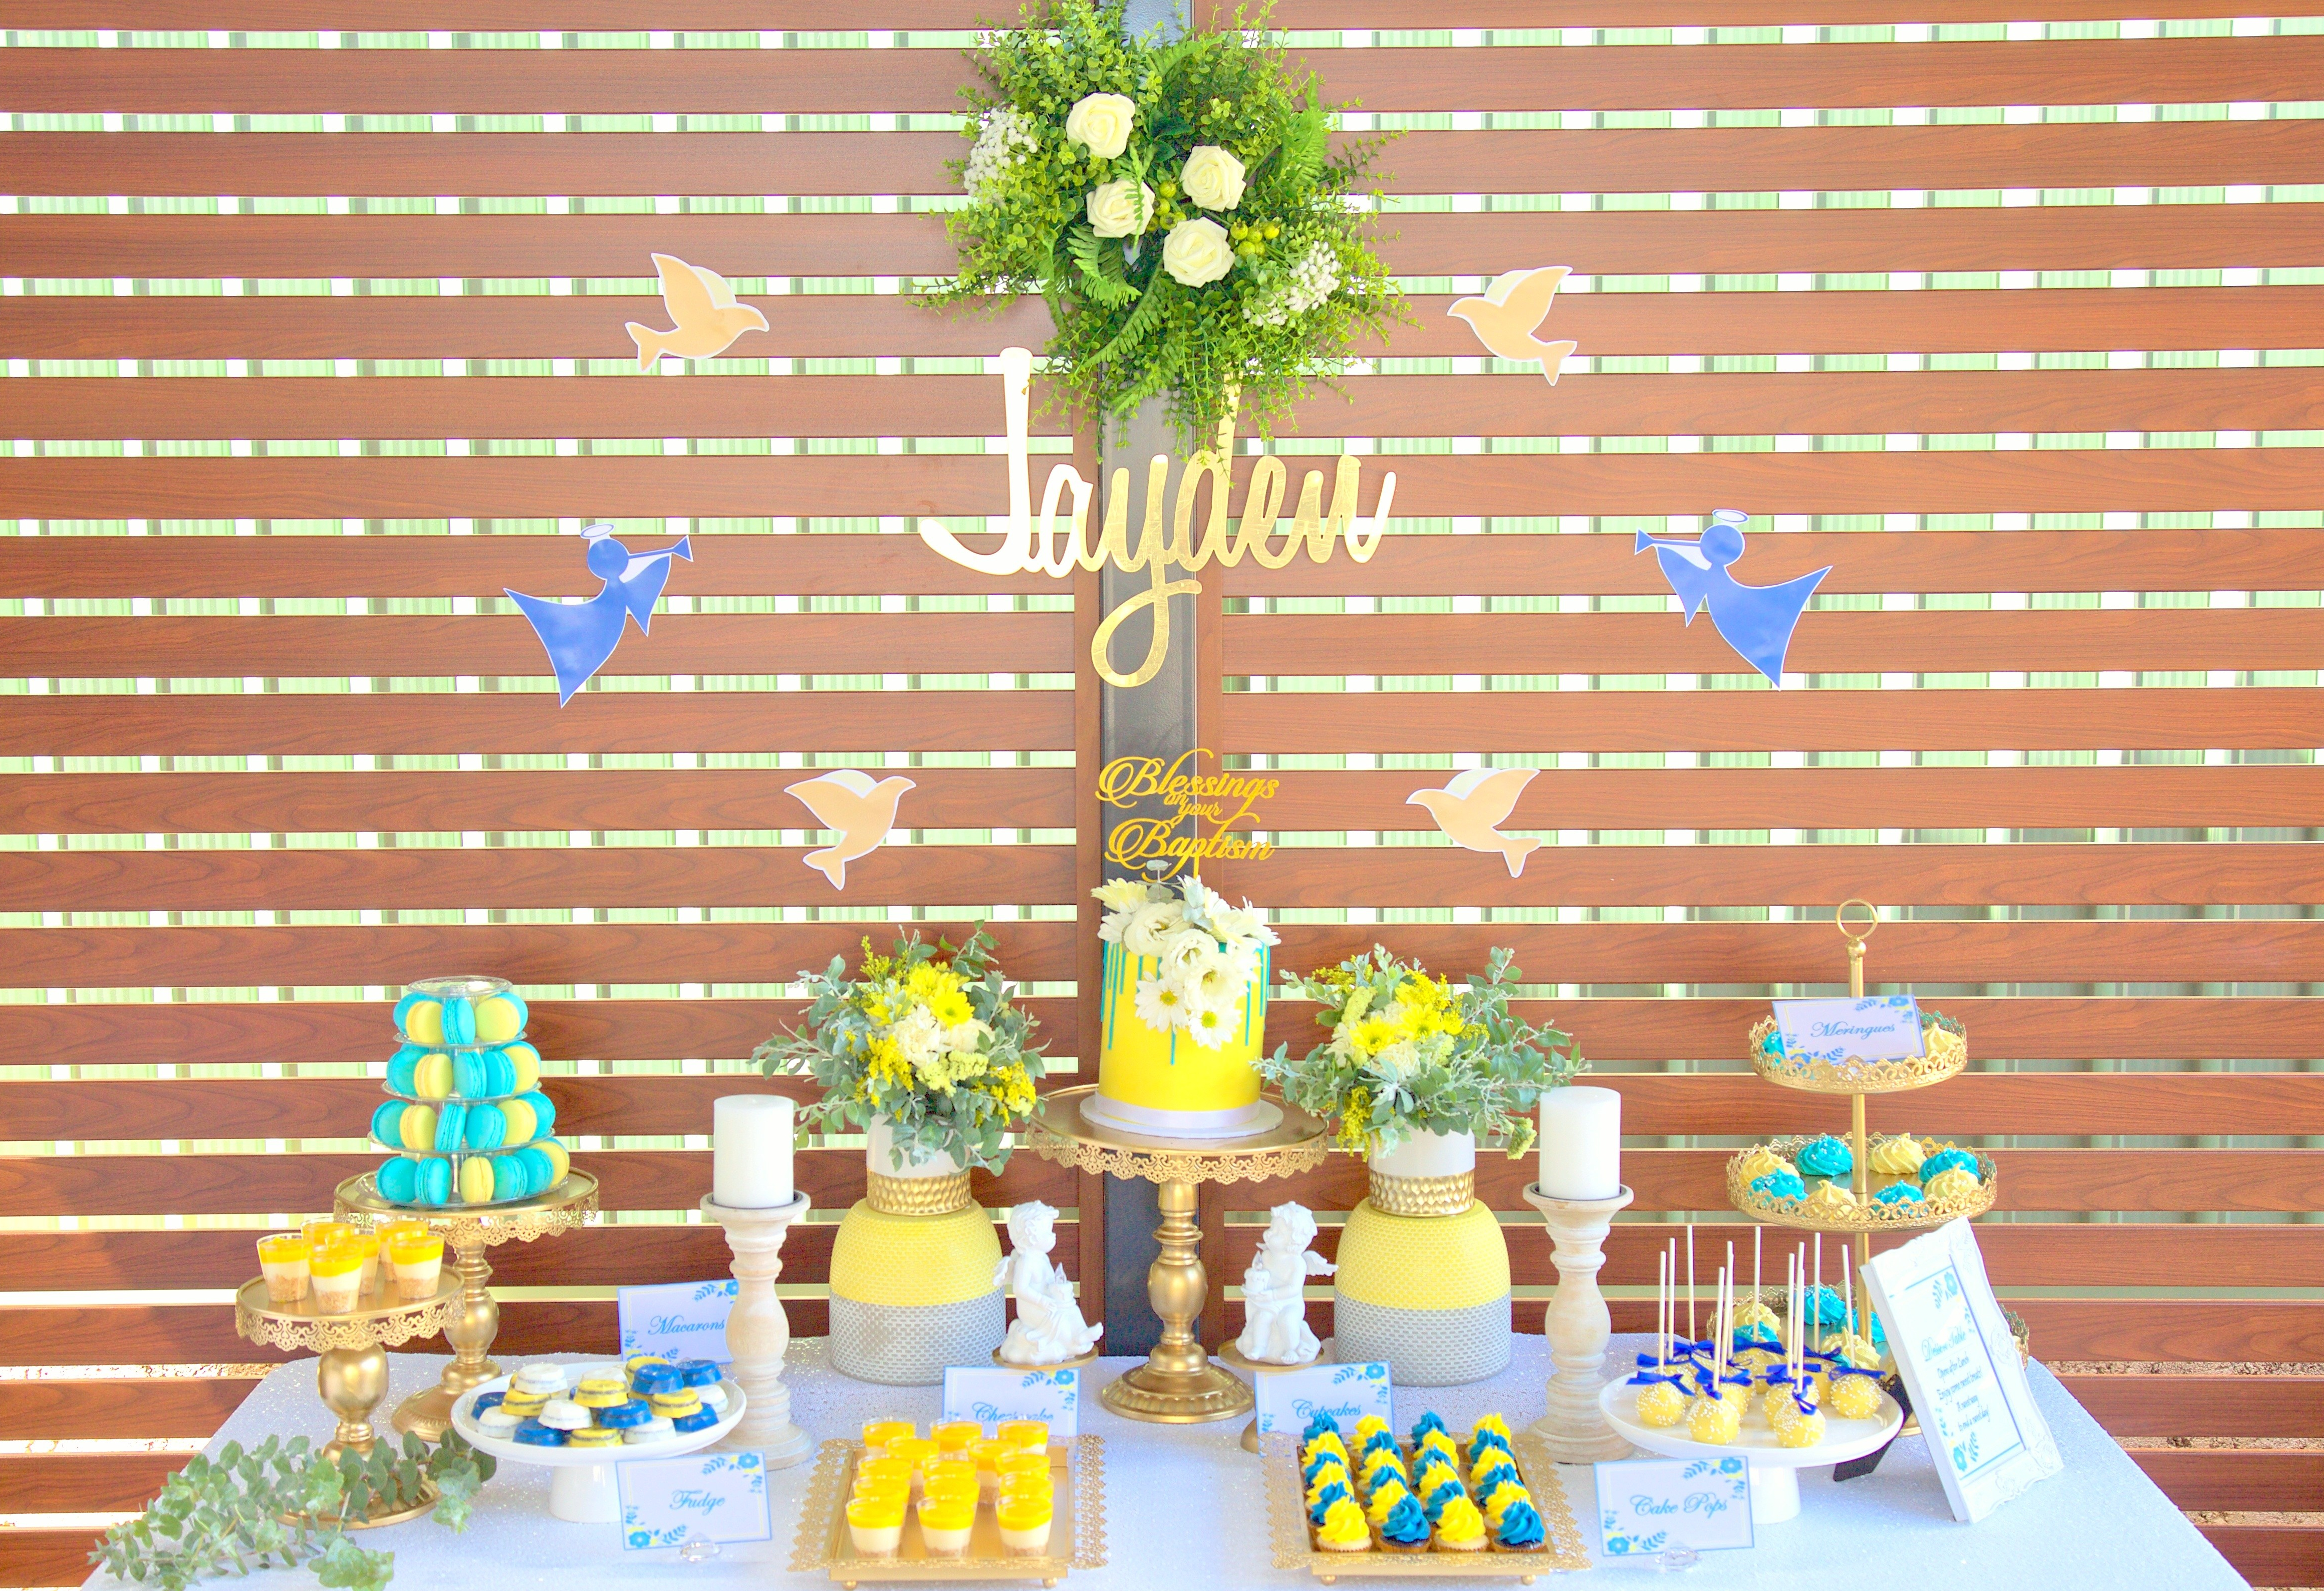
876, 1524
283, 1256
1024, 1523
944, 1525
336, 1272
955, 1436
417, 1261
878, 1433
1027, 1436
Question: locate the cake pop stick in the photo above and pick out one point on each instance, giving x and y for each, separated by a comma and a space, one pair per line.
1731, 1295
1662, 1308
1817, 1295
1756, 1233
1690, 1336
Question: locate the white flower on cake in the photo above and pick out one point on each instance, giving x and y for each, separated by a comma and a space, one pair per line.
1120, 209
1210, 1025
1148, 929
1196, 253
1187, 952
1101, 122
1119, 895
1161, 1004
1212, 178
1218, 979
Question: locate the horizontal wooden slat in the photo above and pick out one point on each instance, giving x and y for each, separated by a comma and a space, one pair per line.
146, 1408
2016, 1256
522, 876
1508, 564
2182, 1028
1446, 565
204, 408
826, 325
1277, 724
239, 1184
596, 1256
2271, 1554
1831, 798
2201, 1405
84, 1483
1754, 875
1976, 1104
611, 82
603, 952
2239, 1481
1658, 13
304, 724
1300, 644
45, 1557
507, 644
702, 798
2078, 481
2070, 238
2058, 154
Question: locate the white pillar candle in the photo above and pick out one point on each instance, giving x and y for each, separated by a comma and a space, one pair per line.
1581, 1142
751, 1151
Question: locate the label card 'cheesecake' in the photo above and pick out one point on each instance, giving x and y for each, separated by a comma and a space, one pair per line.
989, 1393
680, 1321
1954, 1349
1289, 1399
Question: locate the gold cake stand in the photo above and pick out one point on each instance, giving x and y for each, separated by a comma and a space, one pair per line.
468, 1233
351, 1373
1178, 1384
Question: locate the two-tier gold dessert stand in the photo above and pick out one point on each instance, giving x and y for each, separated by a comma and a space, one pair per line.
468, 1233
1178, 1384
1946, 1054
351, 1373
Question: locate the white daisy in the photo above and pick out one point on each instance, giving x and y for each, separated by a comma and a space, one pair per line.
1161, 1004
1211, 1027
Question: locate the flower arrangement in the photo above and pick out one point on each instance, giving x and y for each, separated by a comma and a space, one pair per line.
928, 1039
1209, 952
1180, 204
1410, 1053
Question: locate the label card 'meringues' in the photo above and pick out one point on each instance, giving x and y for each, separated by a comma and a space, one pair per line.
1289, 1399
680, 1321
1874, 1028
1958, 1360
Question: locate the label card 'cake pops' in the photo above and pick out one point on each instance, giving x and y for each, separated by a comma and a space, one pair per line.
1648, 1506
1958, 1359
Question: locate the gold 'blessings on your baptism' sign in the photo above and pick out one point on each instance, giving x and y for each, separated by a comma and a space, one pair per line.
1027, 549
1222, 799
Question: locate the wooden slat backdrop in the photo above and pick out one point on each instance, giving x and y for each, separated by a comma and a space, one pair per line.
230, 749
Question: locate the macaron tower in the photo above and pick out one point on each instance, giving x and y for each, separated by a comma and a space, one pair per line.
464, 1113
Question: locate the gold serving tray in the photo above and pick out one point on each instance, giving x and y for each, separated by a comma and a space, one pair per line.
1295, 1539
1947, 1055
1076, 1537
1860, 1218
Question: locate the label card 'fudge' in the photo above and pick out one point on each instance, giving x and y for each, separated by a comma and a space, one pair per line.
703, 1497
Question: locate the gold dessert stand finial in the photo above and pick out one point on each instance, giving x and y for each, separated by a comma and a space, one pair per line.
1178, 1384
468, 1232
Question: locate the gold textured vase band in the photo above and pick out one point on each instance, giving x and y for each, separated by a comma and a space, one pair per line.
1424, 1196
915, 1195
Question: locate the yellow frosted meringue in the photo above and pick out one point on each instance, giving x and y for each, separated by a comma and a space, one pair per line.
1760, 1161
1960, 1183
1831, 1196
1896, 1156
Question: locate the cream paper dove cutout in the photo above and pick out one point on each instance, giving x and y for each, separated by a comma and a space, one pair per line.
860, 813
702, 309
1472, 809
1512, 310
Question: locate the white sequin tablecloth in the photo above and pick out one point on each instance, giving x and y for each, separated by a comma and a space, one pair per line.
1184, 1513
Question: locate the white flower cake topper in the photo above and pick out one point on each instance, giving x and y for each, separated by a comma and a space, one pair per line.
1206, 953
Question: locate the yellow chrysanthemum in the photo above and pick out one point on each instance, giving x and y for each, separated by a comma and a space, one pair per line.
950, 1006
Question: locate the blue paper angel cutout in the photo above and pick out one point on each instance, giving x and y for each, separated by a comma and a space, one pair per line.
1757, 620
580, 637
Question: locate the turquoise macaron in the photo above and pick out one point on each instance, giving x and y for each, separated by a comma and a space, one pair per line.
451, 1127
460, 1021
544, 1113
435, 1181
509, 1179
500, 1075
486, 1127
403, 1070
397, 1181
387, 1122
403, 1007
540, 1170
468, 1074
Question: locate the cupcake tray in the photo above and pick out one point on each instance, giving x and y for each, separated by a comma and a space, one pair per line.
1296, 1547
826, 1547
1865, 1217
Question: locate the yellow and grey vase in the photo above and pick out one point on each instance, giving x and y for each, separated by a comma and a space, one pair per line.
1423, 1272
912, 1270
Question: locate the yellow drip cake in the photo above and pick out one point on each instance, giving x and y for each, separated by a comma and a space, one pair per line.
1184, 1002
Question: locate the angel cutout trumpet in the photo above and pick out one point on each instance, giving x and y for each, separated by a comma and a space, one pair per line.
705, 317
580, 637
1757, 620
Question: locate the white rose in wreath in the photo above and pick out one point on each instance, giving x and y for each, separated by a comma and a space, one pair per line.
1120, 209
1212, 178
1100, 121
1196, 252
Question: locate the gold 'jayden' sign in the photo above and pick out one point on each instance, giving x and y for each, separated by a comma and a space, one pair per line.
1044, 547
1223, 798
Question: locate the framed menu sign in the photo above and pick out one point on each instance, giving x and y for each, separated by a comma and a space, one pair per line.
1958, 1361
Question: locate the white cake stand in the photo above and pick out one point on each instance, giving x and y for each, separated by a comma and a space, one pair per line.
581, 1485
1775, 1470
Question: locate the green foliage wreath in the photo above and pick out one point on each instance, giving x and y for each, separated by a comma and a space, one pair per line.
1180, 204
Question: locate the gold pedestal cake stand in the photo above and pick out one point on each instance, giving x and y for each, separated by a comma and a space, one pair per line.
468, 1232
351, 1375
1178, 1384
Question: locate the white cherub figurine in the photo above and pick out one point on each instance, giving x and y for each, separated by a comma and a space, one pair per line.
1049, 1328
1275, 1288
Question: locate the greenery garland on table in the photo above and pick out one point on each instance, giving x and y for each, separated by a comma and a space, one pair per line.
1181, 208
284, 1504
1410, 1053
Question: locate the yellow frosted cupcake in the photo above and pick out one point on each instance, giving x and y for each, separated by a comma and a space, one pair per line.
876, 1524
1382, 1465
945, 1523
1505, 1491
1383, 1498
1344, 1529
1493, 1425
1368, 1427
1024, 1518
1459, 1527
